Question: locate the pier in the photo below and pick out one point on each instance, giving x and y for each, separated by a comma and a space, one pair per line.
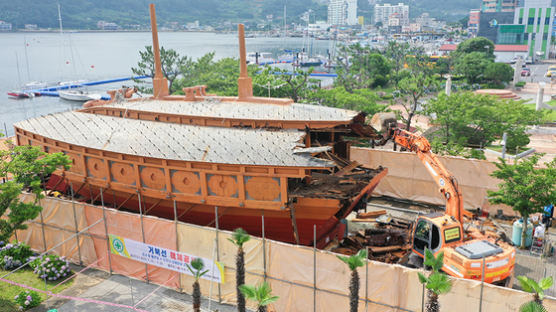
53, 91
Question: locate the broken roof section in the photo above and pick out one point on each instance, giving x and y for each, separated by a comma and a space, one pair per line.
175, 141
214, 107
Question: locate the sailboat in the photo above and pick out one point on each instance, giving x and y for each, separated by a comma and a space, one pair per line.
304, 59
26, 92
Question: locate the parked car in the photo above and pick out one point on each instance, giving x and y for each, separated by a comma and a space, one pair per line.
551, 71
529, 60
525, 72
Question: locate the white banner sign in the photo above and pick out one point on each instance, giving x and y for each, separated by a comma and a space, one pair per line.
164, 258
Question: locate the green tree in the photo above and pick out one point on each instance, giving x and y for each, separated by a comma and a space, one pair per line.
28, 166
360, 67
537, 289
477, 44
443, 66
219, 76
413, 89
261, 294
499, 73
469, 119
524, 187
171, 62
196, 268
282, 83
472, 66
397, 53
363, 100
240, 237
437, 283
354, 262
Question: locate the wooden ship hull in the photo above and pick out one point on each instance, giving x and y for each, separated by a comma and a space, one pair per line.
293, 199
311, 214
225, 162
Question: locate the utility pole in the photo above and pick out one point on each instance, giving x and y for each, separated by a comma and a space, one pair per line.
285, 24
517, 71
449, 85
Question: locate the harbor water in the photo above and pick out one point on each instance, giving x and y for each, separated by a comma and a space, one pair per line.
53, 58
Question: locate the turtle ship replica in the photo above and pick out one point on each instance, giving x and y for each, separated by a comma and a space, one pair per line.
212, 160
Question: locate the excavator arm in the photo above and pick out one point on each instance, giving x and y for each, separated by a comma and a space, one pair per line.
446, 182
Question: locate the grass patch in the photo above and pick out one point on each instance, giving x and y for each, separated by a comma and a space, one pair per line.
27, 277
551, 114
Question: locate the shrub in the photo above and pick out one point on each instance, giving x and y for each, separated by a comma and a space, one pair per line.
51, 267
14, 255
27, 299
520, 84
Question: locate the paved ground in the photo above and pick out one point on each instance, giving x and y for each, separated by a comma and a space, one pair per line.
536, 268
99, 285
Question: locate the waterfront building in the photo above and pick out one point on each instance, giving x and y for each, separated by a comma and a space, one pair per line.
342, 12
107, 25
4, 26
499, 5
384, 11
504, 53
532, 25
318, 27
474, 18
529, 24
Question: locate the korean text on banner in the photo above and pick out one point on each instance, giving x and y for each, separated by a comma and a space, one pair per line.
164, 258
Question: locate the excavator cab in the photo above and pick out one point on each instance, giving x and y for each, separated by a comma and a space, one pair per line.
433, 232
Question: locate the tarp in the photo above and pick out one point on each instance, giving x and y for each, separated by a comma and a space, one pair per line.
409, 179
202, 242
60, 224
156, 232
290, 269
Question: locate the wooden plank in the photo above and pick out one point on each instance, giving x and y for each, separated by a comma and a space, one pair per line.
370, 220
375, 249
371, 214
347, 169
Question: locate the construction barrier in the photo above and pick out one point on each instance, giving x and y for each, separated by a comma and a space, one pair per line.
409, 179
304, 278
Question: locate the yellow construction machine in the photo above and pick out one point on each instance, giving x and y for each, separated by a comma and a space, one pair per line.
465, 248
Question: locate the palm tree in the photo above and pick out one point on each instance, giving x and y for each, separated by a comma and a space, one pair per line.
196, 268
537, 289
240, 237
354, 262
437, 283
262, 294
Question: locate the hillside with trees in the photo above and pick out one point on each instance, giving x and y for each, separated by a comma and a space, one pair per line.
84, 14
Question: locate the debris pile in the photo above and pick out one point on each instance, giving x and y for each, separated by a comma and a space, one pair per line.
388, 241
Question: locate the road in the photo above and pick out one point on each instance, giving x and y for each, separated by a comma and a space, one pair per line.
538, 72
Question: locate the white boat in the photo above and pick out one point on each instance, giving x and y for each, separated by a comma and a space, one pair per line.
71, 82
35, 85
79, 95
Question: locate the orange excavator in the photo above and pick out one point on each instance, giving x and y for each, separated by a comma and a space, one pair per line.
464, 247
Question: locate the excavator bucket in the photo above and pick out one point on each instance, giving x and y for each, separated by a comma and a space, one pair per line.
381, 121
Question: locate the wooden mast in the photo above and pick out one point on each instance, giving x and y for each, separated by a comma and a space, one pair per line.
244, 83
160, 83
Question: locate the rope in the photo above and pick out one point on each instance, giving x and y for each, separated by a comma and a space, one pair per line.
152, 292
271, 87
